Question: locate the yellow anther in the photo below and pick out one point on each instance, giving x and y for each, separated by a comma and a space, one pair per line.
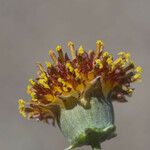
32, 82
68, 65
60, 53
80, 87
77, 73
21, 108
21, 103
118, 60
58, 89
34, 100
112, 66
43, 76
33, 95
68, 85
99, 63
80, 50
100, 66
99, 45
61, 81
91, 75
138, 69
49, 97
136, 77
130, 90
65, 89
110, 61
58, 48
23, 113
29, 89
105, 54
48, 64
125, 56
121, 53
43, 83
71, 69
72, 50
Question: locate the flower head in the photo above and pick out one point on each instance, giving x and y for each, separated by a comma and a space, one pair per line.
68, 79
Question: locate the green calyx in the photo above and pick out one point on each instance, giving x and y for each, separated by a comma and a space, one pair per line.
88, 126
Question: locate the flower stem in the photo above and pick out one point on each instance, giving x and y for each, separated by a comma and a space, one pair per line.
96, 146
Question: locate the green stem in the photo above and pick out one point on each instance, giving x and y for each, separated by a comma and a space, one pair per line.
96, 146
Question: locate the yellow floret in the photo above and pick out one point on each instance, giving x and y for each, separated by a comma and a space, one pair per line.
32, 82
43, 75
125, 56
48, 64
65, 89
118, 60
29, 89
110, 61
121, 53
136, 77
21, 104
68, 65
43, 83
58, 48
130, 91
99, 45
105, 54
61, 81
33, 95
138, 69
99, 63
77, 73
80, 50
58, 89
99, 42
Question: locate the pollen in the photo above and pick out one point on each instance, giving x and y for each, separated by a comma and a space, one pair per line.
66, 78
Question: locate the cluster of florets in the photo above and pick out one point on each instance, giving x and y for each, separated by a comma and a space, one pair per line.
71, 77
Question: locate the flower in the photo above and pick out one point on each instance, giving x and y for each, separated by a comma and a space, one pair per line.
66, 82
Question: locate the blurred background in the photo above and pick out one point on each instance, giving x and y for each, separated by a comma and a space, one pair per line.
29, 28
